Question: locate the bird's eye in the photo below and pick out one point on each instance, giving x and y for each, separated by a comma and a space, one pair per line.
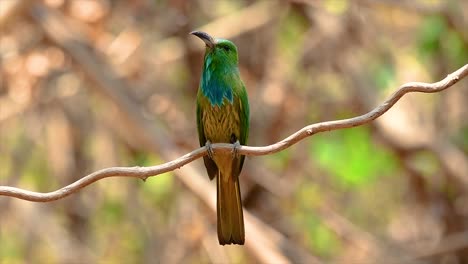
226, 48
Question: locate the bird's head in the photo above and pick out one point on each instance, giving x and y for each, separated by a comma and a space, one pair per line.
220, 50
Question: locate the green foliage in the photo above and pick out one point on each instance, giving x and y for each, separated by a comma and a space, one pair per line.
323, 239
110, 223
6, 165
159, 189
431, 32
290, 36
316, 53
455, 48
128, 247
462, 138
436, 38
317, 236
144, 159
279, 161
225, 7
309, 195
351, 157
336, 6
111, 211
178, 76
36, 172
425, 162
11, 248
384, 75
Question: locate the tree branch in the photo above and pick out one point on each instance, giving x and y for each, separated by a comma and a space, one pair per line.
145, 172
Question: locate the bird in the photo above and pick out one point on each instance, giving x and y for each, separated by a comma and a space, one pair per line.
222, 110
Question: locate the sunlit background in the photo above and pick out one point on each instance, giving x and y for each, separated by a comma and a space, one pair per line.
86, 85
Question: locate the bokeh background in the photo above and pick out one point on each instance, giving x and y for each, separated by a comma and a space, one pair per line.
86, 85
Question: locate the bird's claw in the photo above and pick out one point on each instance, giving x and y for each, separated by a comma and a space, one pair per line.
209, 149
235, 149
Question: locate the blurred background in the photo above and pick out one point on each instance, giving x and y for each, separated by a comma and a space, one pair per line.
86, 85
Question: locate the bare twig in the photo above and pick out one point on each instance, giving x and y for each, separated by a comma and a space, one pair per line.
145, 172
269, 246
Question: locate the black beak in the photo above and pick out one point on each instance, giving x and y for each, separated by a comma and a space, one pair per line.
209, 41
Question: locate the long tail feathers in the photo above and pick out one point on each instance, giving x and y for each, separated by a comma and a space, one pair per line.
230, 215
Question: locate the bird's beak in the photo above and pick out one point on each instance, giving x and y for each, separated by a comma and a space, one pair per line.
209, 41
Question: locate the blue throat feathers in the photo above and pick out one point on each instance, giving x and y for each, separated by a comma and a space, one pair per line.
215, 83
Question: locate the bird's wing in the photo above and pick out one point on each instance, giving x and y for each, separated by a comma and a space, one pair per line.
210, 165
244, 114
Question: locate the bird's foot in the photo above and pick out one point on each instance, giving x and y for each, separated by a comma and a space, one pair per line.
209, 149
235, 149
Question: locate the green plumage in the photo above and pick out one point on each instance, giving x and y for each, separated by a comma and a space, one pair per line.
223, 117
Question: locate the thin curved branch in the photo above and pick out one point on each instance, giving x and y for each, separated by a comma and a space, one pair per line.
145, 172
